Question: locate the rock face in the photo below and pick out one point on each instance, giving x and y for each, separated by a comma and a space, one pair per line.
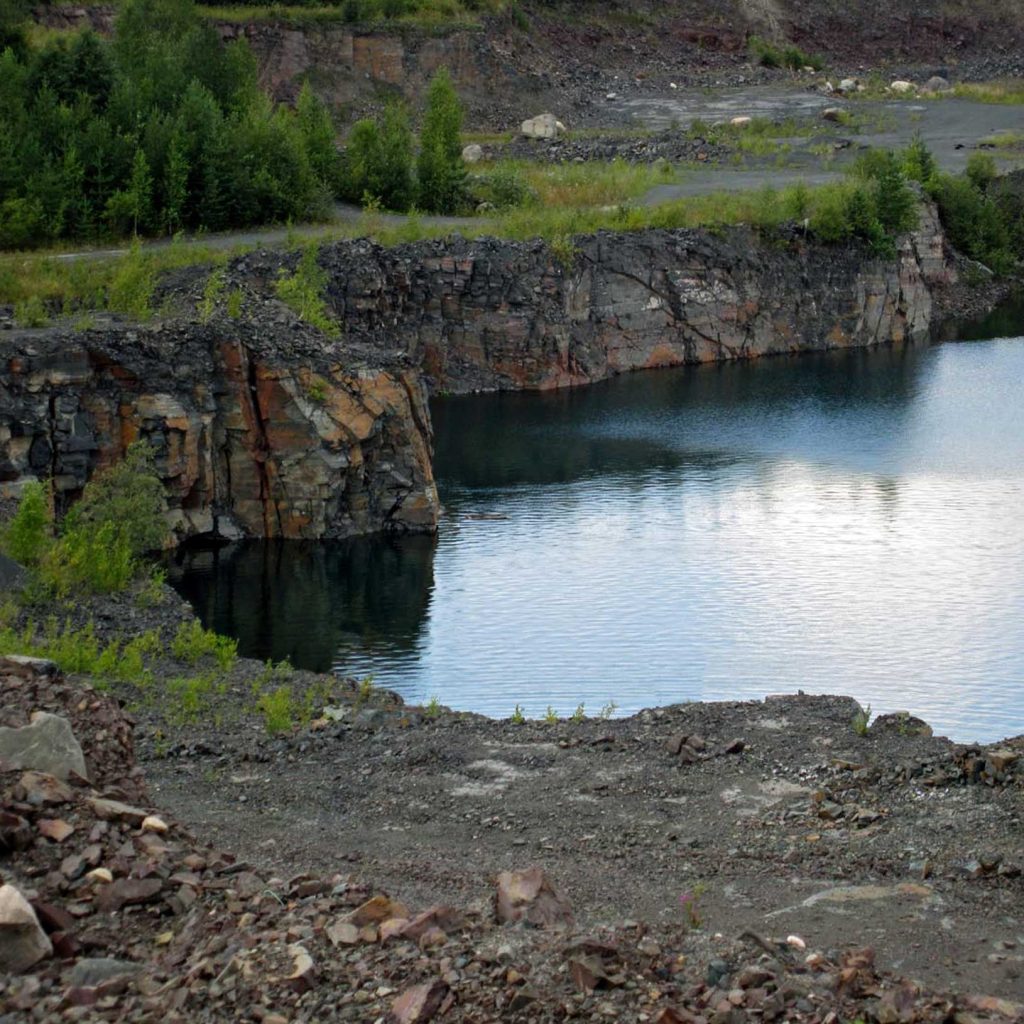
267, 437
507, 315
265, 427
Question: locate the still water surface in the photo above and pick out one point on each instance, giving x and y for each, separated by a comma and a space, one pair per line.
843, 523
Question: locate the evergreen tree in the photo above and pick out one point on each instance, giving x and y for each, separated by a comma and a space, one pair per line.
442, 174
397, 189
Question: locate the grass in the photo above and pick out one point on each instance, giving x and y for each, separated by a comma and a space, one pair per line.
572, 186
447, 15
1004, 140
1008, 91
121, 283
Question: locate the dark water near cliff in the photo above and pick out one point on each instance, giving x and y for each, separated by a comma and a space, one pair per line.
846, 523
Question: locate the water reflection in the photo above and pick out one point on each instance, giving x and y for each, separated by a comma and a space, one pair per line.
304, 601
847, 522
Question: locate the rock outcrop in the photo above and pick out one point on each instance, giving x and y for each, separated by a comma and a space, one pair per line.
490, 314
256, 433
263, 426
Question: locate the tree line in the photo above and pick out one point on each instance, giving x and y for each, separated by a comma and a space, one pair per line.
164, 128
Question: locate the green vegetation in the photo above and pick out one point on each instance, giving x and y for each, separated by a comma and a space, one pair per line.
421, 13
518, 717
159, 129
769, 55
861, 720
102, 540
192, 644
303, 292
440, 170
379, 164
1008, 91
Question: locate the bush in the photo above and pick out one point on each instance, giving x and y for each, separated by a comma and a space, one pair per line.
30, 532
303, 293
792, 57
192, 644
118, 519
127, 496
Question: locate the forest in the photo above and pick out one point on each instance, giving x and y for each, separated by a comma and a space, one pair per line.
163, 129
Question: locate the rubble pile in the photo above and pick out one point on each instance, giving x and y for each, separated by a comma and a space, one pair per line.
110, 910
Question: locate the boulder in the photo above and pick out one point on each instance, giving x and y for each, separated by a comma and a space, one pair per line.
832, 114
92, 971
22, 939
901, 86
740, 122
543, 126
937, 84
46, 744
848, 85
529, 896
472, 154
420, 1003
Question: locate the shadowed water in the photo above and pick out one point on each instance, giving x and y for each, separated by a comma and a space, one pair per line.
845, 523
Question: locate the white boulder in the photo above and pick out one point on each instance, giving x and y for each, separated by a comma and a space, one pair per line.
472, 154
543, 126
902, 87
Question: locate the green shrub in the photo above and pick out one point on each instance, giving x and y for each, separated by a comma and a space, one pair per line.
128, 496
768, 55
30, 532
98, 558
31, 313
193, 644
303, 293
131, 287
277, 710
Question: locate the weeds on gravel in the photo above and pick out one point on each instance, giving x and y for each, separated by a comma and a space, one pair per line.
518, 718
550, 717
433, 708
193, 644
688, 903
579, 715
861, 720
769, 55
277, 710
303, 293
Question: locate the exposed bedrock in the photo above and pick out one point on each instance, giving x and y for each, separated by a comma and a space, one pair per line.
507, 315
276, 439
263, 426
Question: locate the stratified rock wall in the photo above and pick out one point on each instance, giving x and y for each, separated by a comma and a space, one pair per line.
508, 315
265, 427
254, 441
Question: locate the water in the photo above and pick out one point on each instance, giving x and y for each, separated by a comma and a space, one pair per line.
844, 523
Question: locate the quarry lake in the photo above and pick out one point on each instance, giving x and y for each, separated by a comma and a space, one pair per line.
847, 523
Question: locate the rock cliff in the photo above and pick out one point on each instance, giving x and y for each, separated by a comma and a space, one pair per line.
265, 427
493, 314
252, 438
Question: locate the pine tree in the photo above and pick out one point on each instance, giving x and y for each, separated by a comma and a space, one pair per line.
442, 174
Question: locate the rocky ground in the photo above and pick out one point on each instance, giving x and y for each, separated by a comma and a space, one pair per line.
722, 863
